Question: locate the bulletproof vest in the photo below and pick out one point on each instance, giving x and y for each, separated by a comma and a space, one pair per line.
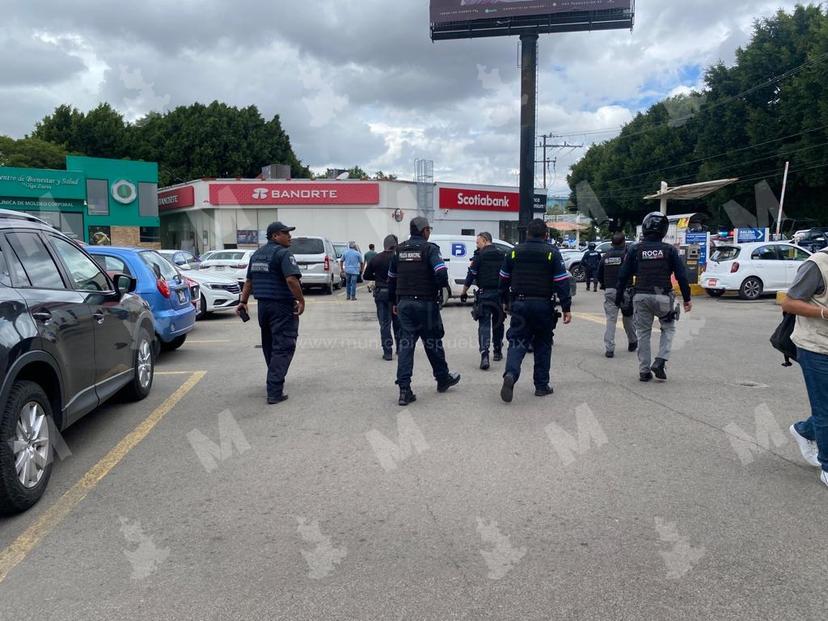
268, 281
612, 266
381, 263
488, 272
414, 273
592, 258
532, 270
654, 271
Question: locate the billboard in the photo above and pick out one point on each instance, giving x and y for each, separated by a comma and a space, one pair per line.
456, 19
295, 193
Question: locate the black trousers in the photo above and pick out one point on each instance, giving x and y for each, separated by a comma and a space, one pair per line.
531, 325
420, 319
490, 324
280, 329
389, 323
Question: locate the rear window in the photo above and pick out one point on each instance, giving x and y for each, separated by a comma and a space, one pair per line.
227, 256
725, 253
307, 245
162, 268
111, 264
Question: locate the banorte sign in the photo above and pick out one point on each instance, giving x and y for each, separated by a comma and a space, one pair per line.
479, 200
294, 193
179, 198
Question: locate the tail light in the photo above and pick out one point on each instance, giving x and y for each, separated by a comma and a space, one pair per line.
327, 264
734, 268
163, 288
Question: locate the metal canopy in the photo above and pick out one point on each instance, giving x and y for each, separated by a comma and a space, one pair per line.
690, 192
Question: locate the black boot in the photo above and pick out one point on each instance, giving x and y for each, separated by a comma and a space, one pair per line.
452, 380
406, 396
658, 369
498, 355
632, 346
507, 391
484, 361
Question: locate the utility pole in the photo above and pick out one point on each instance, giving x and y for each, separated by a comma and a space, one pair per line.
528, 108
547, 145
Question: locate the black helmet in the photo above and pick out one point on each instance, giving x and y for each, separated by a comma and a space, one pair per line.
655, 225
591, 246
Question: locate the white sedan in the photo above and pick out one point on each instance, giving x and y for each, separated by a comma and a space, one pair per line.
752, 269
230, 263
216, 292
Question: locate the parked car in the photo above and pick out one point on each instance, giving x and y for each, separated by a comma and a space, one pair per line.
75, 338
230, 263
160, 284
752, 269
215, 293
339, 249
814, 239
182, 259
316, 257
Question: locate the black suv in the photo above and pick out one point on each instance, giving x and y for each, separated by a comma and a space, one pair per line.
71, 337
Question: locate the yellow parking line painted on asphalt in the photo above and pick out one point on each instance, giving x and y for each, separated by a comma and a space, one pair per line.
591, 317
177, 372
54, 515
207, 342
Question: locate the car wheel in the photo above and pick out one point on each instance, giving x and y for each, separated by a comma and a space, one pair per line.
578, 272
174, 344
25, 447
144, 366
329, 288
715, 293
202, 308
751, 288
443, 297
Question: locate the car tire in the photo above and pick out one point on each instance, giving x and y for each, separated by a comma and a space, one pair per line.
443, 299
578, 271
14, 495
202, 308
173, 344
751, 288
715, 293
329, 288
144, 369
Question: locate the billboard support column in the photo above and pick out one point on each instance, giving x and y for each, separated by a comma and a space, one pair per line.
528, 102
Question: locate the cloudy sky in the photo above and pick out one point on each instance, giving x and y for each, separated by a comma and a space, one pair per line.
359, 81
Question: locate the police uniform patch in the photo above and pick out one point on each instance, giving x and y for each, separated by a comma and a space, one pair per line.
612, 261
259, 266
410, 256
293, 260
652, 255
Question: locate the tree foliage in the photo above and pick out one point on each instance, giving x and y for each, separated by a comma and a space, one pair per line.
770, 107
31, 153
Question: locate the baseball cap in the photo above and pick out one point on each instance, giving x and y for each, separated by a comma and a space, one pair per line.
419, 224
278, 227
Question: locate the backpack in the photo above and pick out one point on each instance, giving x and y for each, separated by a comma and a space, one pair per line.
781, 339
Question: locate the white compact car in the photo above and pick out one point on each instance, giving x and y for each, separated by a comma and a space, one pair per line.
752, 269
230, 263
216, 292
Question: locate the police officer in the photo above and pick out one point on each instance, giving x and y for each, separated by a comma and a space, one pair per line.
377, 270
591, 260
416, 276
653, 263
533, 273
608, 271
485, 271
273, 278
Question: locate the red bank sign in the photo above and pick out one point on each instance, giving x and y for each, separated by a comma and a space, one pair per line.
264, 193
176, 199
479, 200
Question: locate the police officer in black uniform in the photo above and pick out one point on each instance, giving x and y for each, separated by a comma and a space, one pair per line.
273, 279
532, 274
485, 271
416, 276
653, 263
377, 270
608, 271
591, 261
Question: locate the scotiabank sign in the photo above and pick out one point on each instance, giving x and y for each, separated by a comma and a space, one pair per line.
178, 198
343, 193
479, 200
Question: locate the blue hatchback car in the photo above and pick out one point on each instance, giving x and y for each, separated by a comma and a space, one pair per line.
160, 284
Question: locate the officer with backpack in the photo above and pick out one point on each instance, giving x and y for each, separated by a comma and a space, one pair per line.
485, 271
653, 263
416, 276
608, 271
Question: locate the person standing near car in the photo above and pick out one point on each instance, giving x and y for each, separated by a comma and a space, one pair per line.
485, 272
808, 300
377, 271
591, 260
273, 279
416, 276
654, 263
608, 270
352, 264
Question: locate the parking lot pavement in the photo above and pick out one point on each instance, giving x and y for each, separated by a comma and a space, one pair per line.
610, 499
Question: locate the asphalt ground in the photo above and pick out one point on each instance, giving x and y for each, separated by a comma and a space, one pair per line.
611, 499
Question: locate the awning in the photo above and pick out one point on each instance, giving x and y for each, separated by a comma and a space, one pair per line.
691, 192
567, 226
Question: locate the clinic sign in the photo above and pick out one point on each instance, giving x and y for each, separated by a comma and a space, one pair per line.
42, 184
178, 198
295, 193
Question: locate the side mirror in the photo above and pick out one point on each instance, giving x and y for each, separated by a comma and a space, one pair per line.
181, 262
124, 284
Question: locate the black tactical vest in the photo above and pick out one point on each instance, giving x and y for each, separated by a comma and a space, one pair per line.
488, 272
654, 271
532, 270
414, 273
265, 272
612, 266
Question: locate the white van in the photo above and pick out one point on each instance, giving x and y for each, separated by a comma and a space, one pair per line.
457, 252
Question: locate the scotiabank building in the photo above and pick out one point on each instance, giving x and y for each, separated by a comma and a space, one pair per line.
210, 214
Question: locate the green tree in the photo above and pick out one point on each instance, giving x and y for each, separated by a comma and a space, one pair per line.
31, 153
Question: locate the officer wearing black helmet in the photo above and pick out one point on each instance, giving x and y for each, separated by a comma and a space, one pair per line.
485, 271
608, 271
653, 263
273, 279
377, 270
591, 260
532, 274
416, 276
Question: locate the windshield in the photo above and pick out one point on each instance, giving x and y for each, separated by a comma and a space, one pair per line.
307, 245
725, 253
339, 249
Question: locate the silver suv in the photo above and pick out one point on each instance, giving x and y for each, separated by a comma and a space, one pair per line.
317, 260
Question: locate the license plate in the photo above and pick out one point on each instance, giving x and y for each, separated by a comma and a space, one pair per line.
182, 296
712, 282
303, 267
219, 268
